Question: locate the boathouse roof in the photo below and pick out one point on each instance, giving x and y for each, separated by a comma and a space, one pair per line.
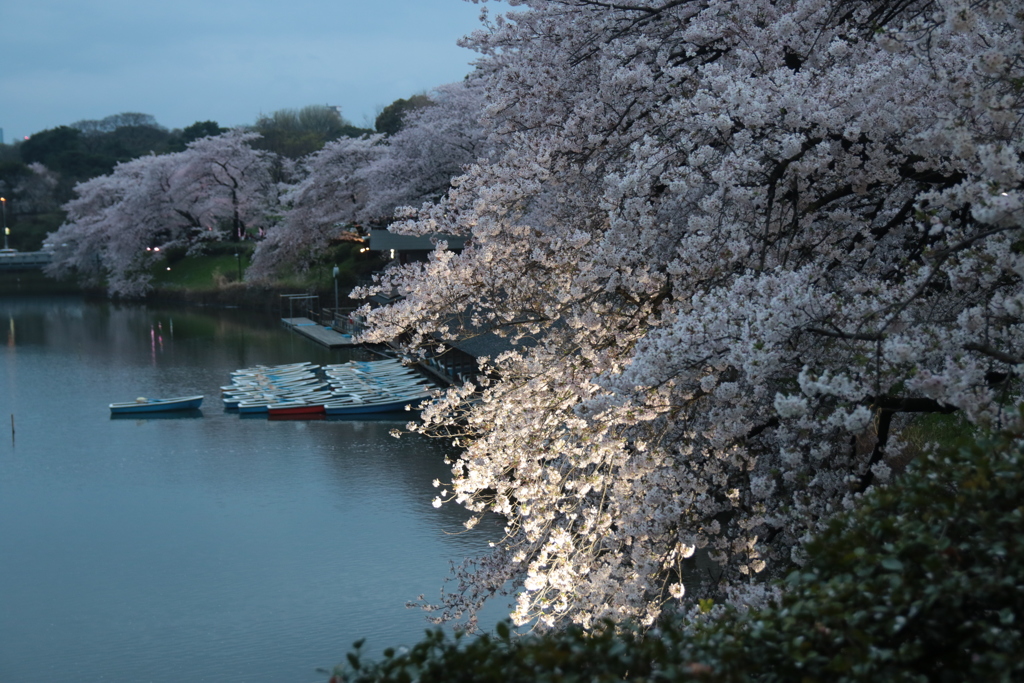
384, 240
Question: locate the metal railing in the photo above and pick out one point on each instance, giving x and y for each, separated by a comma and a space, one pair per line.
300, 306
343, 320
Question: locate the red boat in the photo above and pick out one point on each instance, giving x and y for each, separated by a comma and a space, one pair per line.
305, 418
289, 409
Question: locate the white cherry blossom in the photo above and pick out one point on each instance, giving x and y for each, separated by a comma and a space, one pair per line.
725, 243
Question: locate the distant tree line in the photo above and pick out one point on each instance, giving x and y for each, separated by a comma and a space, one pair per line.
296, 181
89, 148
39, 174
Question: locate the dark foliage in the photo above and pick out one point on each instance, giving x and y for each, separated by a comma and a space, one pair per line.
200, 129
295, 133
389, 120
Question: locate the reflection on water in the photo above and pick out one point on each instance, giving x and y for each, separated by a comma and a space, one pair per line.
202, 546
189, 414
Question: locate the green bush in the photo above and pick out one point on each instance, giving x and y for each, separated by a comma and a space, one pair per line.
924, 581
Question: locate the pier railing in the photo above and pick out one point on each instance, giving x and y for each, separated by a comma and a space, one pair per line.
344, 320
300, 306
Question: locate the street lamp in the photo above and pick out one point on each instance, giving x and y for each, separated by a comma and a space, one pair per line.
3, 201
336, 270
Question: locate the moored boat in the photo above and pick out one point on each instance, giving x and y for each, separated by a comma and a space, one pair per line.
354, 387
152, 405
249, 407
295, 408
376, 405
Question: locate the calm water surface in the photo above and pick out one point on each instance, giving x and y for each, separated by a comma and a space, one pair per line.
211, 548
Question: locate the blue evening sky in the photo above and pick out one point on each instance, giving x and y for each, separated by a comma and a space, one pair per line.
228, 61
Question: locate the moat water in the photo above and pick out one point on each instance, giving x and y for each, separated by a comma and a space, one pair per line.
210, 548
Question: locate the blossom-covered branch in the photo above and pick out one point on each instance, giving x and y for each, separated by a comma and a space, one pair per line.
736, 236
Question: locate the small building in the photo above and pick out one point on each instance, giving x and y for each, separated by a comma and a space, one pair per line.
459, 361
411, 248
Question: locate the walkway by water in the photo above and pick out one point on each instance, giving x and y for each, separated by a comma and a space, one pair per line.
25, 260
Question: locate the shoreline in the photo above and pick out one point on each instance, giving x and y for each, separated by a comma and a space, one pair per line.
256, 297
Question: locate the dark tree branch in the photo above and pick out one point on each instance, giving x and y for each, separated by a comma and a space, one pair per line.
890, 406
991, 352
912, 405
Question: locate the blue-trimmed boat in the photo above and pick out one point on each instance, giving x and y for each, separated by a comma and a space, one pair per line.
378, 404
156, 405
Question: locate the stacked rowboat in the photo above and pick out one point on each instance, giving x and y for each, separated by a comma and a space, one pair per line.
304, 389
373, 387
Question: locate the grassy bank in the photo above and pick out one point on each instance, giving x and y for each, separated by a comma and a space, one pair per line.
217, 278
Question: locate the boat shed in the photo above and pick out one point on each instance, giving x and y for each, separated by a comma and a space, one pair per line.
459, 361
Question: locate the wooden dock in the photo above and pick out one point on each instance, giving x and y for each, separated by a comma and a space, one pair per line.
318, 333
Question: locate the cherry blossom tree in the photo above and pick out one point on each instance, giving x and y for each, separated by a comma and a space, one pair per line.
216, 189
35, 192
227, 186
727, 243
330, 195
365, 180
435, 144
113, 225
